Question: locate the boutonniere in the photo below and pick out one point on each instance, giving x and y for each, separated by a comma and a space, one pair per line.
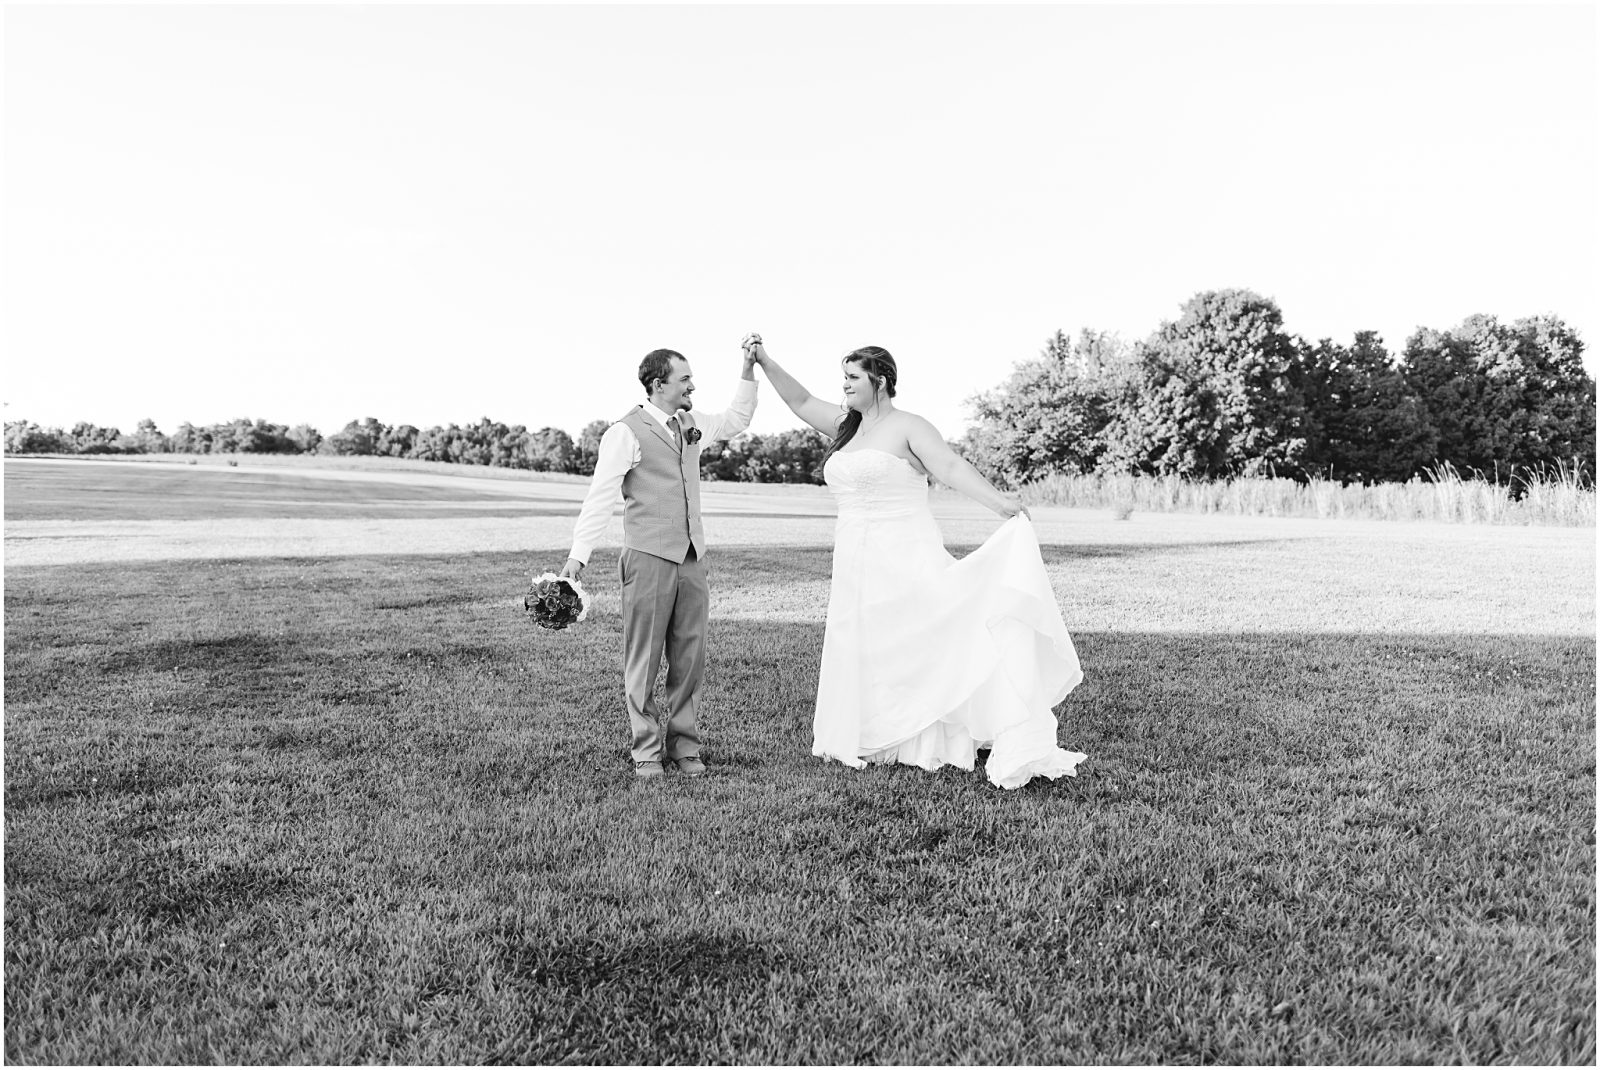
692, 435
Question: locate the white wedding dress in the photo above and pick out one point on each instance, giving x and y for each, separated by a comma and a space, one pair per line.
927, 659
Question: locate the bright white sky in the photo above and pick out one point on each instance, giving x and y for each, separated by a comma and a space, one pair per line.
434, 214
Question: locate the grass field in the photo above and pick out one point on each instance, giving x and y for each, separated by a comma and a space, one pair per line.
330, 799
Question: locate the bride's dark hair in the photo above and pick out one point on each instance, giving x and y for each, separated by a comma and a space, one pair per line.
880, 370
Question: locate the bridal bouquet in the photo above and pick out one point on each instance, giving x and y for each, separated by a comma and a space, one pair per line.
554, 602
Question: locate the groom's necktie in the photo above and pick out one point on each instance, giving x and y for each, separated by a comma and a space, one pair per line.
677, 432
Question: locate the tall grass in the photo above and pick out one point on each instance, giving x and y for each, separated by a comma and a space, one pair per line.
1554, 497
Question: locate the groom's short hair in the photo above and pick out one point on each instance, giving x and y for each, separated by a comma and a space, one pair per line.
657, 364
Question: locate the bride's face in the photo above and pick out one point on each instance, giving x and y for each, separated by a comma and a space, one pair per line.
858, 392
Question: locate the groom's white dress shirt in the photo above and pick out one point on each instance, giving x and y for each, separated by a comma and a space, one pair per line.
619, 453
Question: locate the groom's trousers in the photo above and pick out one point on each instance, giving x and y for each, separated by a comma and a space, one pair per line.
665, 607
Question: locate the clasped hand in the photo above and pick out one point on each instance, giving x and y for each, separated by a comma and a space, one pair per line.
753, 349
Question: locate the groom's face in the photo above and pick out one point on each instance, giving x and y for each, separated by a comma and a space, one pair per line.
672, 393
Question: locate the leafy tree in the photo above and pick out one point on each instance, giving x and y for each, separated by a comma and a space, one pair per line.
305, 438
723, 460
1503, 399
507, 446
499, 445
1374, 427
25, 436
91, 438
245, 436
984, 446
397, 441
189, 439
148, 438
538, 451
791, 456
433, 444
786, 457
357, 439
474, 444
586, 451
231, 437
1220, 392
1052, 413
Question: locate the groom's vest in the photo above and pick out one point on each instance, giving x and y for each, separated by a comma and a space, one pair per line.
661, 494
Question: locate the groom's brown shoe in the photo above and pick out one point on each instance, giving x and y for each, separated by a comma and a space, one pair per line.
691, 766
648, 770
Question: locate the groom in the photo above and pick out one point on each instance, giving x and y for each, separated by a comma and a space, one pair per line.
652, 455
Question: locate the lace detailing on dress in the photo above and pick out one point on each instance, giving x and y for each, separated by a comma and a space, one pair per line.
867, 481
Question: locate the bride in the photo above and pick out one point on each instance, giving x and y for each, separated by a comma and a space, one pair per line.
926, 659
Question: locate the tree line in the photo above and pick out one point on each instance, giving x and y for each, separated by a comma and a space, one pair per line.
785, 457
1223, 391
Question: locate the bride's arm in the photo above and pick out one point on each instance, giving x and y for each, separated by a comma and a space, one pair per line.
802, 403
954, 470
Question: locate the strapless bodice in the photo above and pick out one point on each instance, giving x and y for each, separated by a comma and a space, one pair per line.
874, 481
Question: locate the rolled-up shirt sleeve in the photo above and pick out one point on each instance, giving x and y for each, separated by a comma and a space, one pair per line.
720, 426
619, 452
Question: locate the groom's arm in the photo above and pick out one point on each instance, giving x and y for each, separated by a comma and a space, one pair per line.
720, 426
814, 411
619, 452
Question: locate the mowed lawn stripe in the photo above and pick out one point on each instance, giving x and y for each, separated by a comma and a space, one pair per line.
87, 490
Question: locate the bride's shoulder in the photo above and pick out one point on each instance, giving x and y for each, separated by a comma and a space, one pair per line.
912, 424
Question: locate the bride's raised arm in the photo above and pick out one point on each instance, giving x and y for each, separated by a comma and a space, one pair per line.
954, 470
813, 410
